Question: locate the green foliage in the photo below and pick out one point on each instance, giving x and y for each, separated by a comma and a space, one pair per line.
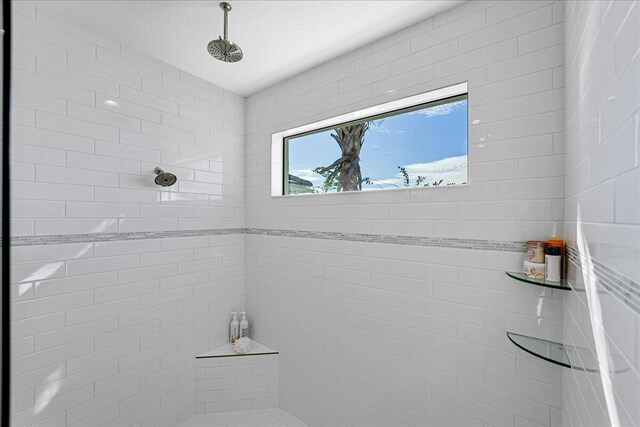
419, 180
330, 179
405, 176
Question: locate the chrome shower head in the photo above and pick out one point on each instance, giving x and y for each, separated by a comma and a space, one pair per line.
223, 49
164, 179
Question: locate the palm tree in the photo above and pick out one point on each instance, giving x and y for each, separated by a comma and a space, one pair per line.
347, 168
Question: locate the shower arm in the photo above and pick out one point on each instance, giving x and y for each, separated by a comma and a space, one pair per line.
226, 7
225, 25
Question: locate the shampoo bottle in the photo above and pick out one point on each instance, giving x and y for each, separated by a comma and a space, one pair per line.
234, 329
244, 325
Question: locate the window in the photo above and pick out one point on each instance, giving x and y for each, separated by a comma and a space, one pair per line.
420, 141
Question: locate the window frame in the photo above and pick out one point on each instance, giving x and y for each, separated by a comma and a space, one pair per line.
279, 140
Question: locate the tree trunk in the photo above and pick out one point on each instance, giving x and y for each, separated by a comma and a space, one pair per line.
350, 139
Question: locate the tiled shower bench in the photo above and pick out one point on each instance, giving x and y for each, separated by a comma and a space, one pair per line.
226, 381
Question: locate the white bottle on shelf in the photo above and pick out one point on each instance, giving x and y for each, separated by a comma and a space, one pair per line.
234, 328
244, 325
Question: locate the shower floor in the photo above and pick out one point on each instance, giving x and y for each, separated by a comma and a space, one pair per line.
253, 418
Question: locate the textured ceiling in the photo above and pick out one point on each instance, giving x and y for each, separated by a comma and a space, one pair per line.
279, 38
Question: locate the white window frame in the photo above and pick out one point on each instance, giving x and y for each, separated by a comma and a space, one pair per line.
277, 139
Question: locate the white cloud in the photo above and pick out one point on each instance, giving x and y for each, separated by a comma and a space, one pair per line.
451, 169
441, 110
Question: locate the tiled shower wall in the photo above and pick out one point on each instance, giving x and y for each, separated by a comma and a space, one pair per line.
393, 334
105, 332
387, 334
81, 166
511, 53
602, 209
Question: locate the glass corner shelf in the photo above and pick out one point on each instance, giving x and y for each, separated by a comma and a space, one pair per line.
539, 282
555, 352
581, 359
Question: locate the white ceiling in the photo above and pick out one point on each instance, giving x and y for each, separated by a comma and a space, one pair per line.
279, 38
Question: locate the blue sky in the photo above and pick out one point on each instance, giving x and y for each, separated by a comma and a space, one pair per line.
431, 142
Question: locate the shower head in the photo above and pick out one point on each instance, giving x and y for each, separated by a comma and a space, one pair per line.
223, 49
164, 179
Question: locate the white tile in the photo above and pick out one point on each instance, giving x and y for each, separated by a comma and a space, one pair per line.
525, 64
51, 356
76, 78
127, 152
101, 210
161, 91
541, 39
147, 224
53, 35
27, 44
52, 407
74, 333
35, 154
90, 66
466, 24
33, 325
627, 199
126, 247
53, 87
75, 127
51, 139
184, 124
105, 117
129, 290
121, 62
68, 175
43, 306
66, 285
22, 171
507, 29
37, 208
47, 226
148, 100
148, 141
105, 102
95, 265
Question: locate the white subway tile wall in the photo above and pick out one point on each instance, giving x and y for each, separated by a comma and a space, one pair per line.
414, 334
369, 333
384, 334
236, 383
105, 332
83, 166
602, 203
111, 339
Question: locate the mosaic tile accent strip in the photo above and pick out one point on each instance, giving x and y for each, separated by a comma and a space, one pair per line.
476, 244
490, 245
110, 237
618, 285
